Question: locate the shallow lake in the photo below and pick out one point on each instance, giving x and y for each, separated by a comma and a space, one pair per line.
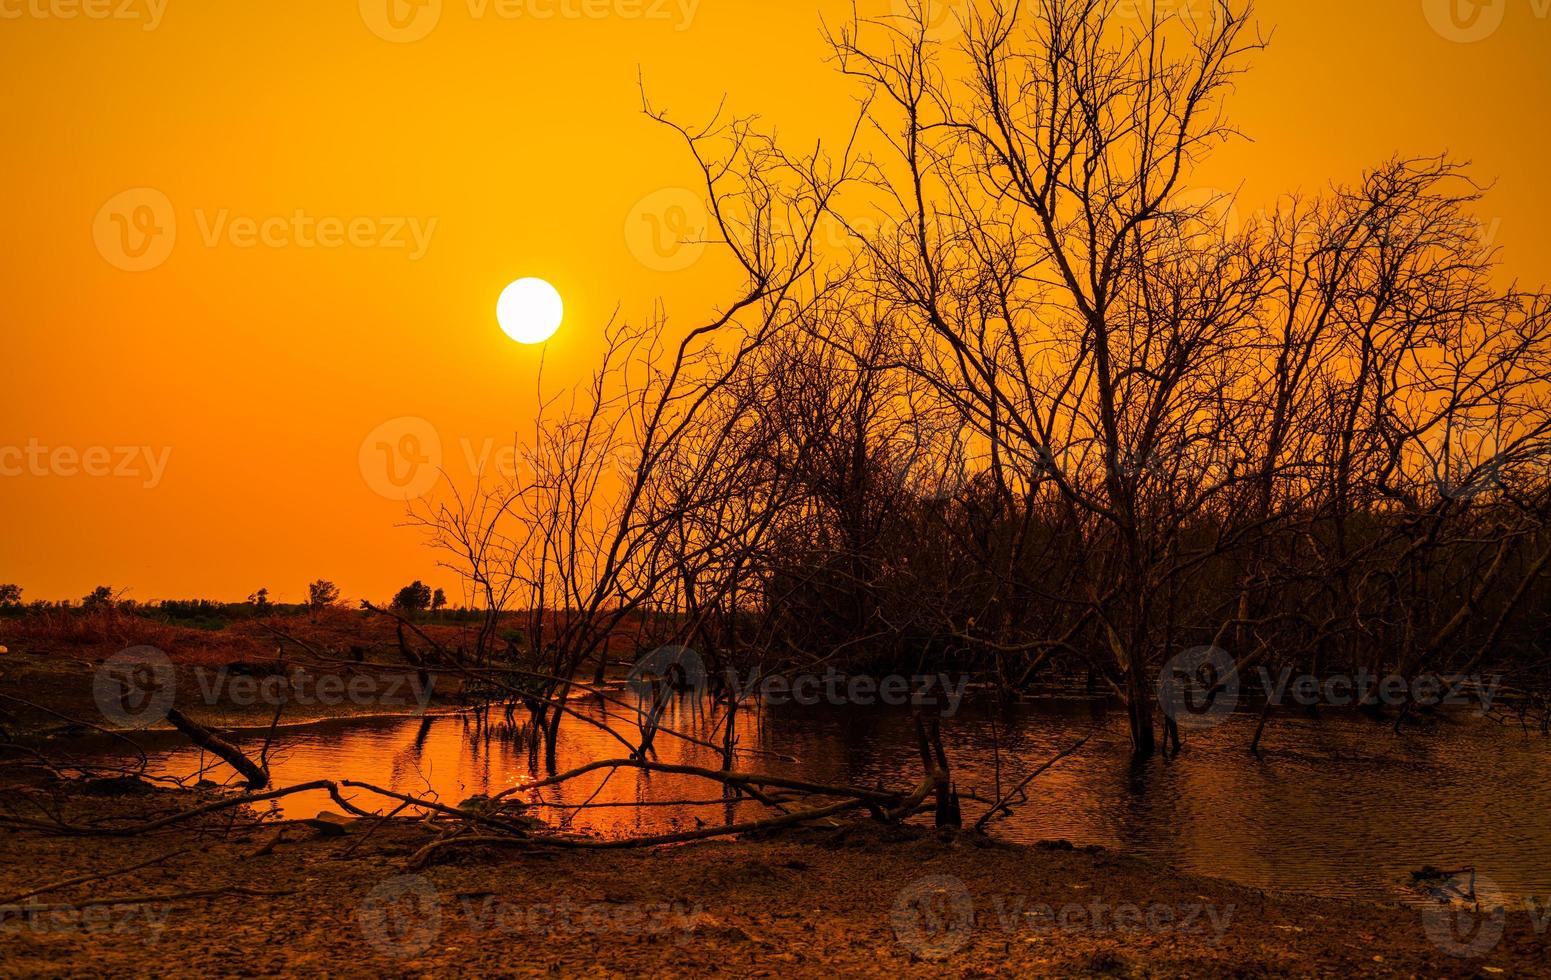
1339, 806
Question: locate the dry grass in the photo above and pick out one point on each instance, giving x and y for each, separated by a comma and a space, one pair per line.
98, 634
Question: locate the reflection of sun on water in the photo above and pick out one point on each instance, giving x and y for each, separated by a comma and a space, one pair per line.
1291, 821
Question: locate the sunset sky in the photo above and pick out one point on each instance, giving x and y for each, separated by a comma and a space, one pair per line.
335, 198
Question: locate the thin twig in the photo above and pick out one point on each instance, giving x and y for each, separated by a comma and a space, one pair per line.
83, 879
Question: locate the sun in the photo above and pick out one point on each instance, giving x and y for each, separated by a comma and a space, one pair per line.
530, 311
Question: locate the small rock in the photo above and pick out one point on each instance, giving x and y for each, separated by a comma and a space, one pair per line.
329, 824
116, 786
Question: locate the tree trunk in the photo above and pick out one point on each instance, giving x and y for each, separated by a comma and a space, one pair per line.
1139, 712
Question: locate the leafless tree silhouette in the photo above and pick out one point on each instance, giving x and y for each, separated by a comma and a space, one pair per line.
1042, 401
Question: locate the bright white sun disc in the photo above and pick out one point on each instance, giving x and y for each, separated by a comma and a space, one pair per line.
530, 311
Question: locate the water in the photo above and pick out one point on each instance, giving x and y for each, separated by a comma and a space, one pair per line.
1336, 807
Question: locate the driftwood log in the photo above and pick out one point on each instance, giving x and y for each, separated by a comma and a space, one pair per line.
211, 742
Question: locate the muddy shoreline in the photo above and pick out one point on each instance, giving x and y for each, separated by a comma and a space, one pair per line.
857, 899
864, 899
59, 697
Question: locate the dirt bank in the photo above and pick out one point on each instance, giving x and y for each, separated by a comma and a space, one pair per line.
846, 900
58, 672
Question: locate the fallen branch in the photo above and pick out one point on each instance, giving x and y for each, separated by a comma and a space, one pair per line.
211, 742
703, 833
372, 830
726, 777
1001, 806
83, 879
214, 806
437, 807
146, 899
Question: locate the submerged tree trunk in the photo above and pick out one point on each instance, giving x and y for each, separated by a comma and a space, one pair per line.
1139, 711
551, 740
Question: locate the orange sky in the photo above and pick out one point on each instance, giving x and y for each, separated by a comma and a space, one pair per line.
287, 308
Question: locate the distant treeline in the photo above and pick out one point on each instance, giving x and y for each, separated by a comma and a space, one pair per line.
204, 613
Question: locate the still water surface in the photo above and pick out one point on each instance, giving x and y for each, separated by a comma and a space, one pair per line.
1339, 806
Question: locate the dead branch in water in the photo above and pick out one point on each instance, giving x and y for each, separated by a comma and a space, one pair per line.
495, 677
725, 777
211, 742
435, 806
584, 843
1002, 805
